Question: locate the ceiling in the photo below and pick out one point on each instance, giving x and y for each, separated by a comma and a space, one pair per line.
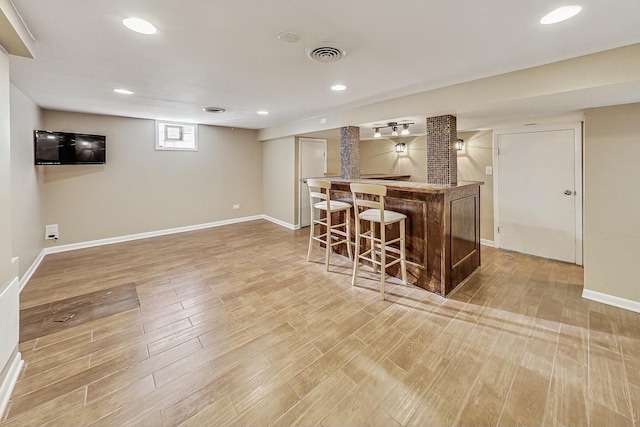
227, 54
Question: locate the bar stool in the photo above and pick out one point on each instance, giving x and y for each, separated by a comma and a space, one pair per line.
333, 234
372, 196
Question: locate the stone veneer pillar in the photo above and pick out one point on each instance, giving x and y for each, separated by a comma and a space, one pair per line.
350, 152
442, 157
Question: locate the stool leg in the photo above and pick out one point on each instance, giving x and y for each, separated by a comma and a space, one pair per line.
356, 256
403, 264
373, 246
328, 242
383, 259
347, 218
311, 233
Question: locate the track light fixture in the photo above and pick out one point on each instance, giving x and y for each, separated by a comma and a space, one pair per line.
394, 129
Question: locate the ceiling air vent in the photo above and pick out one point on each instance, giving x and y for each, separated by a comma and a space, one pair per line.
214, 110
325, 53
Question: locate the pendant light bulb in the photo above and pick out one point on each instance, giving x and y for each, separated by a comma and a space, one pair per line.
377, 133
405, 130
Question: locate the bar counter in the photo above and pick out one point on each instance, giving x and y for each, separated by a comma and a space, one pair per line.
442, 229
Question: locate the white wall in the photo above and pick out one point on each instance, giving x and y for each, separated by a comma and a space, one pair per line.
26, 182
143, 190
279, 180
473, 159
8, 270
612, 201
333, 157
380, 156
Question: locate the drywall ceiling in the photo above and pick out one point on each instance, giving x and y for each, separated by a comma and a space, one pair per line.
227, 54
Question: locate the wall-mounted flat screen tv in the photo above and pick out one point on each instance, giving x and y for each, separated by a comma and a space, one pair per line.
68, 148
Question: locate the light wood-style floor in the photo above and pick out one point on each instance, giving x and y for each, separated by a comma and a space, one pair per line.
236, 328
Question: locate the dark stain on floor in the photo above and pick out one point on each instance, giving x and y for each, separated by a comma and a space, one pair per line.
57, 316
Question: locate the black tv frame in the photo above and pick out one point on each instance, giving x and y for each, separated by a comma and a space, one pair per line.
62, 148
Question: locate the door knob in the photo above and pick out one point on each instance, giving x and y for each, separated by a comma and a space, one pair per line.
568, 192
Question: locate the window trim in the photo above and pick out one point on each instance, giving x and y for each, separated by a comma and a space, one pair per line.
167, 123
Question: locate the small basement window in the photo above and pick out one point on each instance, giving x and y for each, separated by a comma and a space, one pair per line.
176, 136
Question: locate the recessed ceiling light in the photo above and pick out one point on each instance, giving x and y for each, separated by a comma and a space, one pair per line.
338, 88
263, 112
560, 14
123, 91
139, 25
214, 110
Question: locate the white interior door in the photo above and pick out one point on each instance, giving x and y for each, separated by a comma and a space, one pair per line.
538, 185
312, 165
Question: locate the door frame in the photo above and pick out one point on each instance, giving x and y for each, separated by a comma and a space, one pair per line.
301, 184
578, 133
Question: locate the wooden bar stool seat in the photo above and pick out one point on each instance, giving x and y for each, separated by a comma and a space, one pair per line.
334, 234
371, 196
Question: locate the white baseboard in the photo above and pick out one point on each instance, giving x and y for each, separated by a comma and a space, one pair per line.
611, 300
6, 388
32, 269
281, 223
488, 243
82, 245
127, 238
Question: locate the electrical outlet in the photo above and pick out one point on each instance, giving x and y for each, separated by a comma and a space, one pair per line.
51, 232
236, 206
488, 170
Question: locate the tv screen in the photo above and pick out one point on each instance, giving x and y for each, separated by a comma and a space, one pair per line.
68, 148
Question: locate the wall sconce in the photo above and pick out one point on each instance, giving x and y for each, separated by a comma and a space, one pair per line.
394, 129
400, 147
459, 144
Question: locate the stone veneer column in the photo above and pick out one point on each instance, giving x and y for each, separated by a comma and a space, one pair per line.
442, 157
350, 152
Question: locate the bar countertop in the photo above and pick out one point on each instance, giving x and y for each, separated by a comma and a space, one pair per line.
409, 186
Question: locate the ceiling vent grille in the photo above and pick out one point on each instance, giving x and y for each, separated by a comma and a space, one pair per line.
325, 53
214, 110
